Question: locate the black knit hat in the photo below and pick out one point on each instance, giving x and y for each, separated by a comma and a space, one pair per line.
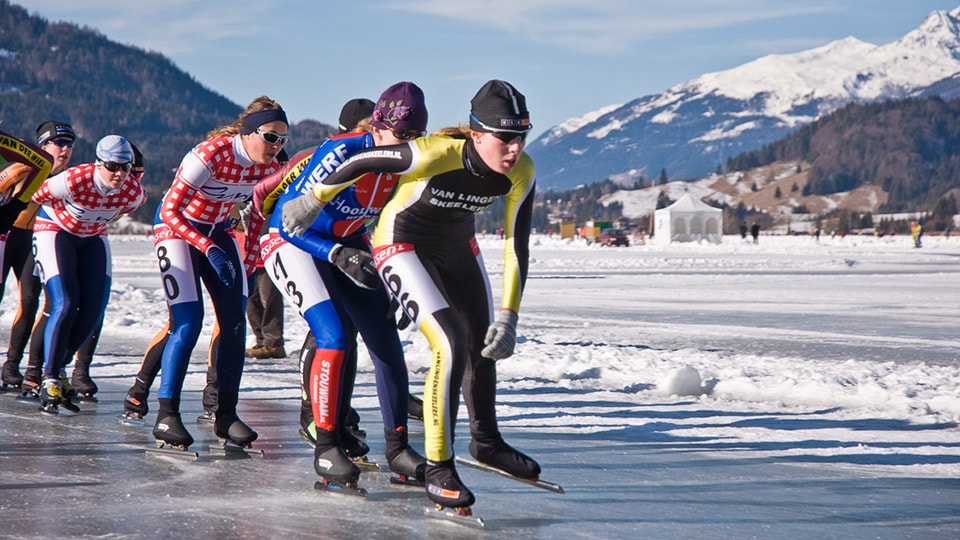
353, 112
54, 130
499, 107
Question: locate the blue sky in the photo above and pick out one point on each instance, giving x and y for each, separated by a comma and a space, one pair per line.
568, 57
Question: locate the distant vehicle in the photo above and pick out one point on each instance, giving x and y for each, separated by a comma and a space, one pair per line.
614, 237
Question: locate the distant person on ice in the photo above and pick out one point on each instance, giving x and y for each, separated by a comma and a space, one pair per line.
916, 230
755, 232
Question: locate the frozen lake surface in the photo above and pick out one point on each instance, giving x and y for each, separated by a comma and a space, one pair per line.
790, 389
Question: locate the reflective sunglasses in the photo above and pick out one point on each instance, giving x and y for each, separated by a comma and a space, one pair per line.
271, 137
113, 166
62, 143
407, 134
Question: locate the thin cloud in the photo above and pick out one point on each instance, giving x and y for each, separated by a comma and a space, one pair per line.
607, 26
173, 27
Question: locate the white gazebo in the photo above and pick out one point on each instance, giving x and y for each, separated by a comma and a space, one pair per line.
688, 220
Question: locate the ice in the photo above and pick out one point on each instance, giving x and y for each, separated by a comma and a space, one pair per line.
790, 389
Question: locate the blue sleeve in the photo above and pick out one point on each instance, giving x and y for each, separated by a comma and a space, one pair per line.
326, 158
311, 242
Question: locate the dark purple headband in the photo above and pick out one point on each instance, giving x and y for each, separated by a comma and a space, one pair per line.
256, 119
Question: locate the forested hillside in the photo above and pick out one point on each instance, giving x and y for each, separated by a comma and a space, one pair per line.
910, 148
60, 71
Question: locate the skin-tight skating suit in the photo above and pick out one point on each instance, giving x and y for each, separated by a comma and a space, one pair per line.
335, 307
73, 257
29, 166
193, 216
428, 257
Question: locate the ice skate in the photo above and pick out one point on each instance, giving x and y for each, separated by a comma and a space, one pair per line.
169, 431
131, 418
444, 487
29, 390
493, 451
415, 408
337, 472
84, 385
356, 450
235, 437
405, 462
135, 402
30, 387
11, 375
68, 395
352, 445
68, 389
209, 401
352, 423
51, 394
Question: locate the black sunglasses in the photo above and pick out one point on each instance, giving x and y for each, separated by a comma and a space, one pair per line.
113, 166
509, 137
62, 143
408, 134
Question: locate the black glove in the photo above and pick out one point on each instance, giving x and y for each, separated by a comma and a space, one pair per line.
222, 265
357, 265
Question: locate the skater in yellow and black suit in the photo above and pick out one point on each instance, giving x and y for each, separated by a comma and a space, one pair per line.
428, 257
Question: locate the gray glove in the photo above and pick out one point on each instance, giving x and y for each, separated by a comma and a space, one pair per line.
299, 213
357, 265
501, 336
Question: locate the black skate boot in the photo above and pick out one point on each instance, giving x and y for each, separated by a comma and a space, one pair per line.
82, 382
415, 408
11, 375
230, 429
352, 422
444, 486
209, 403
50, 396
30, 387
135, 402
169, 430
404, 461
352, 446
494, 452
332, 464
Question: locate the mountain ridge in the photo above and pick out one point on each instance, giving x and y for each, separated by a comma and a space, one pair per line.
693, 127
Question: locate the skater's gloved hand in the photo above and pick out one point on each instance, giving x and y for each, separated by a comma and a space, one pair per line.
357, 265
222, 265
501, 336
299, 213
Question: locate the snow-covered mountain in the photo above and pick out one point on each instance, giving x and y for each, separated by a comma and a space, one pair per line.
695, 126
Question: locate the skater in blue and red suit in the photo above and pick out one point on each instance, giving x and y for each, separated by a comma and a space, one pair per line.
427, 255
195, 242
327, 273
72, 253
